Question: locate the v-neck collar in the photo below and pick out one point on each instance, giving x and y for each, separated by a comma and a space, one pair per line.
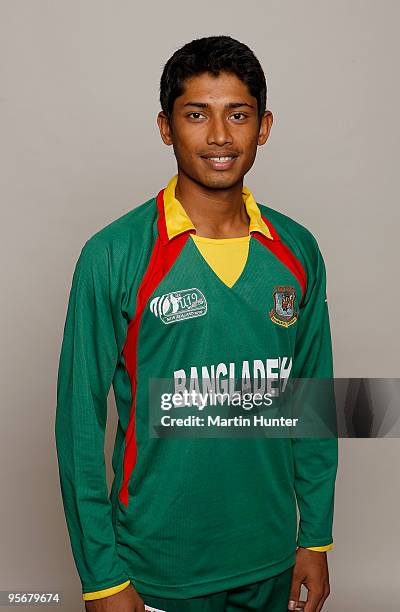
226, 256
212, 271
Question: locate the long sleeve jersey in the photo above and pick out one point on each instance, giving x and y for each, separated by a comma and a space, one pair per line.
146, 304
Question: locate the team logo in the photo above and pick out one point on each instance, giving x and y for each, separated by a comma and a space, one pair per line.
179, 305
284, 312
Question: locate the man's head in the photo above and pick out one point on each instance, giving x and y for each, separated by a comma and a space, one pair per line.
213, 100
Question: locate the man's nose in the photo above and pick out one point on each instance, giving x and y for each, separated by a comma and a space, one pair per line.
219, 132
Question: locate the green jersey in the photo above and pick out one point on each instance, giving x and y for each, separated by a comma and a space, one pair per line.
189, 516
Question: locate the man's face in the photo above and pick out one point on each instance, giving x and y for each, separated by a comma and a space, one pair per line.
215, 129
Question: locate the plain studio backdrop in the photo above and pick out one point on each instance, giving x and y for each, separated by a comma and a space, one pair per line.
80, 147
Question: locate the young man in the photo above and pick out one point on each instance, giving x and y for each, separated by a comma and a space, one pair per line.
199, 279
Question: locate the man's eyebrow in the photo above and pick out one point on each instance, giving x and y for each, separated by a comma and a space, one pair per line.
230, 105
237, 104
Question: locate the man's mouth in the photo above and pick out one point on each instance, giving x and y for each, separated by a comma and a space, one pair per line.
220, 162
221, 159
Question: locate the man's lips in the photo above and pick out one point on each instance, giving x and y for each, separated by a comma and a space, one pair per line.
223, 153
220, 161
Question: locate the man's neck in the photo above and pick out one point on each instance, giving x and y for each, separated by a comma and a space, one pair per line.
215, 213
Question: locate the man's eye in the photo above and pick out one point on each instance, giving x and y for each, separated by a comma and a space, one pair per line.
239, 116
195, 115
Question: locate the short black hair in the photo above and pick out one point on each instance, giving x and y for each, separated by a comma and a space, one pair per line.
212, 54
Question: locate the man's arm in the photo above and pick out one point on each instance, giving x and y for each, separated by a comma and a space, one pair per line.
315, 459
87, 363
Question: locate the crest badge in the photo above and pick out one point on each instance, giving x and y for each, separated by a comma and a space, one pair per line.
284, 311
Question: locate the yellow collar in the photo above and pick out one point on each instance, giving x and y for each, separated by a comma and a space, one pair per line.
178, 221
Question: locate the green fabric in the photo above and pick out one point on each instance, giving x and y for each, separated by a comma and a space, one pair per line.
204, 515
271, 595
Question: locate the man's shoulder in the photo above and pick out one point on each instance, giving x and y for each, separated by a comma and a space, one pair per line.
127, 234
294, 234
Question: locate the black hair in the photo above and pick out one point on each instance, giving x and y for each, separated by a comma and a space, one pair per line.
212, 54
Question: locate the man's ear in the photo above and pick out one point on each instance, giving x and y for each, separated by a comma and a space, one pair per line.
165, 128
265, 127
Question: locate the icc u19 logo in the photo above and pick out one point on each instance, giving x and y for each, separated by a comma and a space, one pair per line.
179, 305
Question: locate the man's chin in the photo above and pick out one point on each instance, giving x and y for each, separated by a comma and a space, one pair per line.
220, 179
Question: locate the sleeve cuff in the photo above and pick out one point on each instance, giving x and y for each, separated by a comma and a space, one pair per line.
321, 548
105, 592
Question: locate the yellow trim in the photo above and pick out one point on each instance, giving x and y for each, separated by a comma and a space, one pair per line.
105, 592
176, 217
256, 222
177, 220
321, 548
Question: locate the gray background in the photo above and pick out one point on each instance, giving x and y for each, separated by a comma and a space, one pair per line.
80, 147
